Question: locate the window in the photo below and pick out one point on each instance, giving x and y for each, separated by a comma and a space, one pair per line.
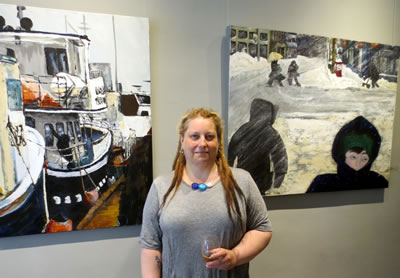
29, 121
10, 52
233, 47
264, 50
242, 34
264, 36
242, 47
48, 133
70, 132
78, 131
56, 60
60, 129
14, 92
143, 99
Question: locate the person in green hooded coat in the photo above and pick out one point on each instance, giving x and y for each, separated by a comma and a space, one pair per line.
354, 149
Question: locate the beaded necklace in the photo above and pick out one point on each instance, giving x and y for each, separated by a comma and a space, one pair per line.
204, 186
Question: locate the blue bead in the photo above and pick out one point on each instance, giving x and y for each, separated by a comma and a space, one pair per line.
195, 186
202, 187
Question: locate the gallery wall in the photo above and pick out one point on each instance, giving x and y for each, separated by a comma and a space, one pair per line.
340, 234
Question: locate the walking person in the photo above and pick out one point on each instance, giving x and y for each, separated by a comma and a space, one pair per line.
276, 74
293, 74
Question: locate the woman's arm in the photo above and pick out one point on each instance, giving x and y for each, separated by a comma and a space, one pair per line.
150, 263
252, 243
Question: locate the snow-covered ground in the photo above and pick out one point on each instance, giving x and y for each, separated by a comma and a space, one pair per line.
313, 71
310, 116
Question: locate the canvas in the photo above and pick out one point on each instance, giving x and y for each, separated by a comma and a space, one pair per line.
75, 120
310, 113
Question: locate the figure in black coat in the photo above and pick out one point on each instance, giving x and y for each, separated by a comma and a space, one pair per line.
293, 74
373, 74
257, 146
354, 149
63, 141
276, 74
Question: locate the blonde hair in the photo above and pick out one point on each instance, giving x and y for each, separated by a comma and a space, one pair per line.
228, 181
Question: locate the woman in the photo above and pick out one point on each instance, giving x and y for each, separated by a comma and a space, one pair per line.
202, 197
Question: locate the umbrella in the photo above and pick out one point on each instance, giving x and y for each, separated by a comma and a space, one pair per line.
273, 56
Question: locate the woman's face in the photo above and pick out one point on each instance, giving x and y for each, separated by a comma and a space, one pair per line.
200, 142
355, 160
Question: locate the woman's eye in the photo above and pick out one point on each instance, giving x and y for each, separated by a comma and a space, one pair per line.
353, 157
210, 137
194, 136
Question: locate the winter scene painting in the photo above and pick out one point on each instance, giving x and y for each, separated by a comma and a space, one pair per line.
310, 113
75, 140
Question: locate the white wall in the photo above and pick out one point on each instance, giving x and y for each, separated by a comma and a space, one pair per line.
340, 234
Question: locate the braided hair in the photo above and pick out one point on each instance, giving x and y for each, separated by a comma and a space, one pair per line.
229, 183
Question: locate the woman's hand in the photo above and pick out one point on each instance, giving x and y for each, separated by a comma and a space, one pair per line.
252, 243
223, 259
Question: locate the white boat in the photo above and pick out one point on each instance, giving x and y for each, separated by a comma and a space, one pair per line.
59, 96
22, 205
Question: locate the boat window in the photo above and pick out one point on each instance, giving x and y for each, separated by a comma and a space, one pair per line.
70, 132
10, 52
29, 121
60, 129
78, 131
77, 60
143, 99
48, 134
56, 60
14, 94
62, 62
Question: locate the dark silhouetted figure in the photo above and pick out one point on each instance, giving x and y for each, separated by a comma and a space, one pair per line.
293, 74
275, 74
373, 74
65, 151
138, 182
354, 149
259, 148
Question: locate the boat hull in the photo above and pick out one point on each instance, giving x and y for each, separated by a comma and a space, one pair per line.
66, 196
29, 218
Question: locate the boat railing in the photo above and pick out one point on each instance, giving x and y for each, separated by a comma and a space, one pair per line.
79, 154
56, 86
126, 142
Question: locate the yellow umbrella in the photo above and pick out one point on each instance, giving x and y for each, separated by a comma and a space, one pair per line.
273, 56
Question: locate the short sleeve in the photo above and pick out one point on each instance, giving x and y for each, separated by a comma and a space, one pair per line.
257, 214
151, 234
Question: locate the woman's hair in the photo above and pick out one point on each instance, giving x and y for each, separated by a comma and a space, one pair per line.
229, 183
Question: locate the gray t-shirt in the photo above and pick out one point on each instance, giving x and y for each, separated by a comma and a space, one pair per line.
180, 226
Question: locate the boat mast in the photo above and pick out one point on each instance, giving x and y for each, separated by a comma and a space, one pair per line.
117, 88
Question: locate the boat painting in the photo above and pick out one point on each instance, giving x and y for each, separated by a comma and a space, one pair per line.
73, 94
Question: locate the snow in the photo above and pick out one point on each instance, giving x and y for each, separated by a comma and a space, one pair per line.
310, 116
313, 72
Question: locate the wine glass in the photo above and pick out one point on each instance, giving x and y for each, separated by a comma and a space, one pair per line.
209, 243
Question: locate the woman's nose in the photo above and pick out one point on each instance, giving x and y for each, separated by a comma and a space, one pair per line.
203, 140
